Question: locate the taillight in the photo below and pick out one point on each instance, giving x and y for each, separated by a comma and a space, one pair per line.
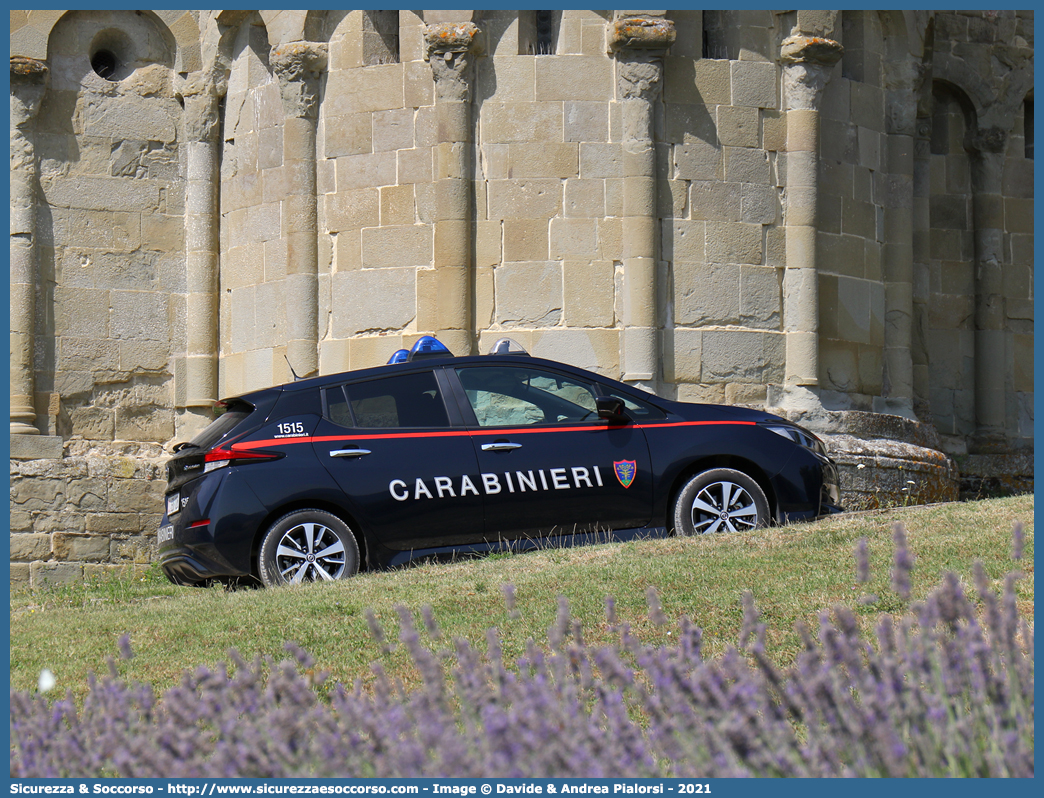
221, 457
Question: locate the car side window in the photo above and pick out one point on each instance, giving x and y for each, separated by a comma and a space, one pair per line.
337, 407
404, 400
520, 395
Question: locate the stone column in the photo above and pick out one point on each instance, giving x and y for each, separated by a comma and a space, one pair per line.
807, 63
28, 82
991, 373
639, 44
901, 81
921, 254
450, 55
298, 66
202, 155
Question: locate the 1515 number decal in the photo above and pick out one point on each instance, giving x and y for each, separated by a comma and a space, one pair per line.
291, 428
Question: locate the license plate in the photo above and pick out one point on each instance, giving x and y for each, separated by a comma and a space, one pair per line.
165, 533
173, 503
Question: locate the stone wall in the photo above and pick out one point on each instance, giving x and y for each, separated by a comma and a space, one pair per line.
110, 235
817, 212
91, 513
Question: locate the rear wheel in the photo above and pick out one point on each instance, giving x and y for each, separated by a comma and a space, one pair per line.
307, 546
719, 500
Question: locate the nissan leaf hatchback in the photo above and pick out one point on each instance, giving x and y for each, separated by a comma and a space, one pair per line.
432, 453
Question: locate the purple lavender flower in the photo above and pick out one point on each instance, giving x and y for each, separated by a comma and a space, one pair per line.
509, 601
1018, 541
652, 598
125, 647
904, 563
862, 555
434, 632
751, 627
939, 691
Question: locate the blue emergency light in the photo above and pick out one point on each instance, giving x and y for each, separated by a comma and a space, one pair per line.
428, 346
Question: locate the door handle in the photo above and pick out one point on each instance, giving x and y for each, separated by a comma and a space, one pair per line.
349, 452
500, 446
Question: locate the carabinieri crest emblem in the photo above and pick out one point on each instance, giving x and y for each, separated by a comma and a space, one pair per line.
625, 470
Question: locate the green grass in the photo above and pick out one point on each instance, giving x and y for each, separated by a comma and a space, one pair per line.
794, 572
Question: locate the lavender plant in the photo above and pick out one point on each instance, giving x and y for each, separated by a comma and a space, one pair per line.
944, 690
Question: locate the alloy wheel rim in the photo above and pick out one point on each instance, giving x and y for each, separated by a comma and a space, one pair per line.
310, 552
723, 507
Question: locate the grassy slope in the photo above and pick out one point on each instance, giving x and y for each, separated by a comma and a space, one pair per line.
793, 572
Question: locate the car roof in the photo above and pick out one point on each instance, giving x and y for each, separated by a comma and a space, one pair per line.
428, 363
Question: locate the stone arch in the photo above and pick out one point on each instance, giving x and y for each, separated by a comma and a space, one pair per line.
184, 27
316, 25
284, 26
895, 34
80, 37
908, 26
948, 89
219, 31
957, 73
31, 34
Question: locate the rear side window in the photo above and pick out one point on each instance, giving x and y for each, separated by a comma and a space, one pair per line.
405, 400
231, 415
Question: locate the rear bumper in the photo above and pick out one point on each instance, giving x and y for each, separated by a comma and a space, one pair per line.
189, 556
184, 567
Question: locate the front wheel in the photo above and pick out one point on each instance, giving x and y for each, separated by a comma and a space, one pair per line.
307, 546
719, 500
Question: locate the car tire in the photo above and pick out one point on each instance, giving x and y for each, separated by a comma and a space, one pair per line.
719, 500
307, 546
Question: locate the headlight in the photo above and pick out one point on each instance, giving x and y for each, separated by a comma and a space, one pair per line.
799, 436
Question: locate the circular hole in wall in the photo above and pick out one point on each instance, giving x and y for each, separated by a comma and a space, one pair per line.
112, 55
105, 64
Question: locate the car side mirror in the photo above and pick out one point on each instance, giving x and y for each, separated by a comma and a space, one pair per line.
610, 408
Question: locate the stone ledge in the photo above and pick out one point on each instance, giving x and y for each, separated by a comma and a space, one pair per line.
36, 447
883, 472
864, 424
991, 475
996, 465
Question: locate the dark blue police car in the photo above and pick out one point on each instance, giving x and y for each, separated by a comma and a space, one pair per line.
434, 453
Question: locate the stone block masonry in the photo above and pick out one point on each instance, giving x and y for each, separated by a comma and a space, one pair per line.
92, 512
